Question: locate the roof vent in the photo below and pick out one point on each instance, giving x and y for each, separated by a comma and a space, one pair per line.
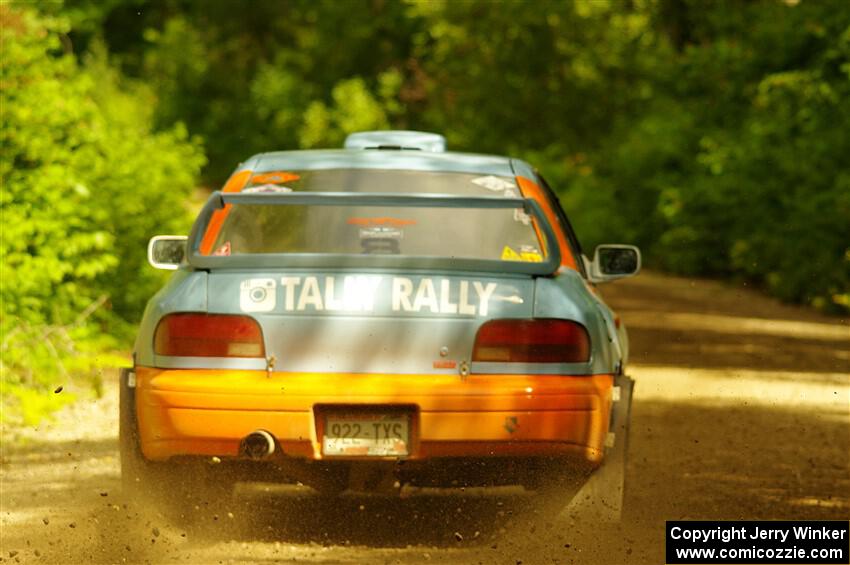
397, 140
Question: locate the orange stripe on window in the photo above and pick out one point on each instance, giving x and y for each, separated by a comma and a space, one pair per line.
531, 189
235, 183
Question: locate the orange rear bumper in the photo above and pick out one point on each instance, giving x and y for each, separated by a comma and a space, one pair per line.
208, 412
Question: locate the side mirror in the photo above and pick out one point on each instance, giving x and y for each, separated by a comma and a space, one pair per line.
612, 262
167, 251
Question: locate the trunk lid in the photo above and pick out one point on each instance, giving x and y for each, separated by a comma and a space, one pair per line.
332, 321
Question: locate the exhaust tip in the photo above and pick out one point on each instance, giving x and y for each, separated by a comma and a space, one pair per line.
258, 444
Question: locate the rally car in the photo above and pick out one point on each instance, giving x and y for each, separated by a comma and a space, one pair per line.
382, 316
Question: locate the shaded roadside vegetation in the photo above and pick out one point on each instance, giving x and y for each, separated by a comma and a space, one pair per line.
711, 134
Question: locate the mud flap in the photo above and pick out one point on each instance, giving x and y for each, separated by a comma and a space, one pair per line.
600, 499
132, 461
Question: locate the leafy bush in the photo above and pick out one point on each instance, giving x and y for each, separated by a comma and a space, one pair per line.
85, 183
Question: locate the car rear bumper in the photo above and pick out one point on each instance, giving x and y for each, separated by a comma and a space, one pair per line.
207, 412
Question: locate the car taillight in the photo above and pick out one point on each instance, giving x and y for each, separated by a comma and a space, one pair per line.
208, 335
532, 341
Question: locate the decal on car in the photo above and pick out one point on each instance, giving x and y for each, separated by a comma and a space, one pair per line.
359, 293
525, 253
274, 177
494, 183
265, 188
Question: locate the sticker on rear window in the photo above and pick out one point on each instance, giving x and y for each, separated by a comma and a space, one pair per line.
525, 253
522, 217
509, 254
274, 177
530, 253
495, 184
267, 188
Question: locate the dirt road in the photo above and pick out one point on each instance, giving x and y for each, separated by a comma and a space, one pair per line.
742, 410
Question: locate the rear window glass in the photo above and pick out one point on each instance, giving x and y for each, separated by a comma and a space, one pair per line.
464, 233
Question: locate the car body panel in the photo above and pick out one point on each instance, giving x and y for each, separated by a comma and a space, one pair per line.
316, 339
209, 411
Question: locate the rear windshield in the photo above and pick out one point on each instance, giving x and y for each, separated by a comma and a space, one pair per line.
464, 233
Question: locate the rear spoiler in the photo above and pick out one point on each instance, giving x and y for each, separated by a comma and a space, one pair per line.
220, 200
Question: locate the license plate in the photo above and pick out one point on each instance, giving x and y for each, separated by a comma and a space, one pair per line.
366, 435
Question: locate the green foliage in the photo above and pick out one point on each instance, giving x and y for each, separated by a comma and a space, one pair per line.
711, 134
739, 168
85, 183
242, 74
354, 108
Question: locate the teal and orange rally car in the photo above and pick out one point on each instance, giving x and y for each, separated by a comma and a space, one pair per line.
380, 316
